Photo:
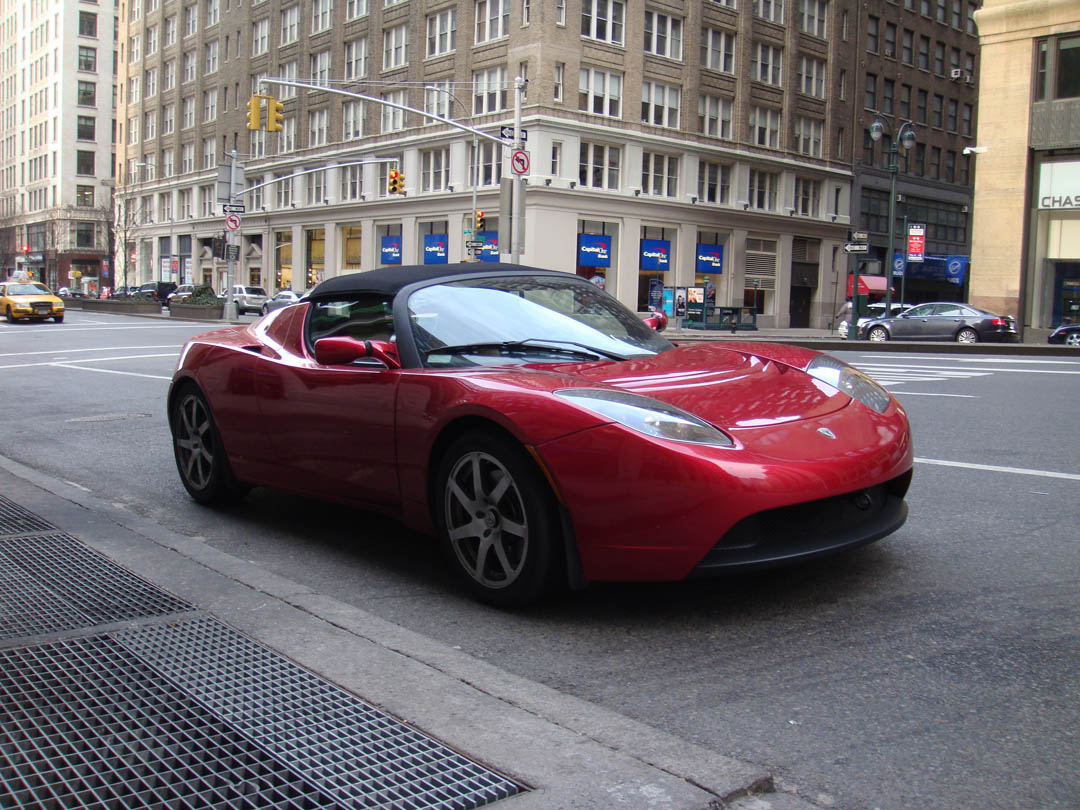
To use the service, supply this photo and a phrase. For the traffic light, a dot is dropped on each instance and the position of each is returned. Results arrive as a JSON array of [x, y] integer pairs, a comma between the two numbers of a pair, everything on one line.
[[254, 112], [395, 182], [481, 221], [275, 115]]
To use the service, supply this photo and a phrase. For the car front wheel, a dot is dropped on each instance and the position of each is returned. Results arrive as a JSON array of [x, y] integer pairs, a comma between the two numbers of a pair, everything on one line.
[[200, 455], [878, 334], [497, 519], [1073, 339], [967, 336]]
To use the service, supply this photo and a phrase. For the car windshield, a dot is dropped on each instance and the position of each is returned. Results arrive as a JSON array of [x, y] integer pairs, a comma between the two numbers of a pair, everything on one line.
[[521, 319], [28, 289]]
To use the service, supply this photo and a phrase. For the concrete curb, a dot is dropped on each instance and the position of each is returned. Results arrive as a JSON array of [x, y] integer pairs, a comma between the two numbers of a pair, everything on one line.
[[571, 753]]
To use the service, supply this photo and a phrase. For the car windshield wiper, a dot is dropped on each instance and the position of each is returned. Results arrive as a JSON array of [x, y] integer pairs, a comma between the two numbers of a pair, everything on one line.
[[544, 344]]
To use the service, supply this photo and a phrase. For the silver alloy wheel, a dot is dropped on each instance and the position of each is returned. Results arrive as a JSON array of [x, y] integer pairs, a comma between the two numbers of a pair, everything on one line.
[[967, 336], [1073, 339], [485, 520], [194, 441], [878, 334]]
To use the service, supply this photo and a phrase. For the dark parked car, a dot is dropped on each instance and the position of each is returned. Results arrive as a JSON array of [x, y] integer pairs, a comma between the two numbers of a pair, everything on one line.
[[158, 290], [1067, 333], [943, 320]]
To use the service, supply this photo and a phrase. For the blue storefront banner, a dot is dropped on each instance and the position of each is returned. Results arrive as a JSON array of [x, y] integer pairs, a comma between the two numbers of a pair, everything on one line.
[[490, 251], [950, 269], [594, 250], [899, 264], [710, 258], [655, 254], [434, 248], [391, 249]]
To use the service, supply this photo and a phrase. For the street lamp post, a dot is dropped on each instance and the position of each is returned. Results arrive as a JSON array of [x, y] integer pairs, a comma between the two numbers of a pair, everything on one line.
[[904, 136]]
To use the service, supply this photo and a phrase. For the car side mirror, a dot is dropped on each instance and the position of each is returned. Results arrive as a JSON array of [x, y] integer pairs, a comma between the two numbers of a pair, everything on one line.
[[340, 351]]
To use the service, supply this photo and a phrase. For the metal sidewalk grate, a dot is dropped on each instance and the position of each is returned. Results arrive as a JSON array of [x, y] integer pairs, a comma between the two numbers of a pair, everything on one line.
[[87, 725], [29, 609], [90, 585], [16, 520], [350, 750]]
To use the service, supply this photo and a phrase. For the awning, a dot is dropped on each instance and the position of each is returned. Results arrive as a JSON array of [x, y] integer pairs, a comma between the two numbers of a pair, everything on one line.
[[868, 285]]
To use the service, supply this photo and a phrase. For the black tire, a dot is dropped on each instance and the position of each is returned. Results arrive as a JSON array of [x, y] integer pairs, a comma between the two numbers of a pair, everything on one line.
[[498, 520], [264, 309], [199, 453], [878, 334], [10, 318], [967, 335], [58, 318]]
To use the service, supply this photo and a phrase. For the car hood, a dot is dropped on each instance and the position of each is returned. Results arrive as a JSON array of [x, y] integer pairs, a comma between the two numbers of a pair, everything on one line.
[[729, 387], [30, 299]]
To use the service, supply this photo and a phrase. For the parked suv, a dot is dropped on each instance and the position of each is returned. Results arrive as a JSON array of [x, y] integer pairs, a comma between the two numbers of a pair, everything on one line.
[[158, 290], [248, 299]]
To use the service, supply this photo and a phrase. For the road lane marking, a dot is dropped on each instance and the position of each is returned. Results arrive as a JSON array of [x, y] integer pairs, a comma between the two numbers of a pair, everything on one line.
[[99, 349], [923, 394], [995, 468], [92, 360], [955, 359], [110, 371]]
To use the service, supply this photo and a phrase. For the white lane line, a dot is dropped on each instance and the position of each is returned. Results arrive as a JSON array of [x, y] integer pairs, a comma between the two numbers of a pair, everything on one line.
[[109, 371], [955, 359], [921, 394], [960, 370], [995, 468], [201, 326], [92, 360], [99, 349]]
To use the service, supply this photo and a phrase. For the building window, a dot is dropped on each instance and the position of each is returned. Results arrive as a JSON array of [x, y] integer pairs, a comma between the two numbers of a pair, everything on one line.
[[490, 93], [87, 59], [187, 158], [213, 10], [352, 182], [84, 162], [168, 163], [659, 174], [185, 203], [210, 62], [438, 97], [260, 37], [356, 59], [714, 182], [395, 47], [663, 35], [951, 115], [290, 25], [890, 40], [599, 166], [660, 104], [86, 94], [556, 158], [907, 47], [603, 20], [392, 118], [318, 127], [84, 234], [209, 153], [812, 17], [600, 92], [319, 64], [492, 20], [920, 106], [808, 136], [939, 58], [870, 98], [191, 20], [150, 126], [872, 25], [352, 120], [765, 127], [284, 184], [771, 10], [937, 111], [714, 116], [209, 106], [86, 128], [289, 70], [924, 53], [965, 121], [322, 13], [558, 81], [87, 24], [888, 91], [766, 63], [84, 196], [718, 50], [1057, 68], [490, 169], [316, 187], [354, 9], [170, 30], [442, 32], [811, 77], [762, 190], [807, 197], [935, 163], [434, 169]]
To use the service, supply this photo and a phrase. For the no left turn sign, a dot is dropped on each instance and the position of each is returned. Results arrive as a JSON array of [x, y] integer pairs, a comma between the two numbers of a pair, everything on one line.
[[232, 222], [519, 162]]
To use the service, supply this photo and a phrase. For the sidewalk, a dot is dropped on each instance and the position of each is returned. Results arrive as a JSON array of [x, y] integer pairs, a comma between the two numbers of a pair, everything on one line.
[[193, 633]]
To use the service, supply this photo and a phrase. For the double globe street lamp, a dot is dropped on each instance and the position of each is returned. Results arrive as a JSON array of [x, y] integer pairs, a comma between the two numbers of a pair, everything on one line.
[[905, 137]]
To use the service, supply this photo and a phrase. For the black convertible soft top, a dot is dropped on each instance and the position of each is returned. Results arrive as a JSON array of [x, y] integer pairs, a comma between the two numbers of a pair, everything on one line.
[[389, 280]]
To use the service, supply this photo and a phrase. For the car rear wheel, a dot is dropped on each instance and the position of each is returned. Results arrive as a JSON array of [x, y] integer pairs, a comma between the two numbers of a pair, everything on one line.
[[878, 334], [10, 317], [1072, 339], [497, 519], [967, 336], [200, 456]]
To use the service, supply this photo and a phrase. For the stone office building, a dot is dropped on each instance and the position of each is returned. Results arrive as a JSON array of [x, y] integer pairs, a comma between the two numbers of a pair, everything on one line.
[[691, 143]]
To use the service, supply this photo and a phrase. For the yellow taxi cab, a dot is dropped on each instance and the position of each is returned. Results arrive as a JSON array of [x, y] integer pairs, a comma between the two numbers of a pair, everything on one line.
[[29, 299]]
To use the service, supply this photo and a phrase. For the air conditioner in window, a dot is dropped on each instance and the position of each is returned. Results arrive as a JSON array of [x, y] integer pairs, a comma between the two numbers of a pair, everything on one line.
[[890, 52], [956, 73], [969, 77]]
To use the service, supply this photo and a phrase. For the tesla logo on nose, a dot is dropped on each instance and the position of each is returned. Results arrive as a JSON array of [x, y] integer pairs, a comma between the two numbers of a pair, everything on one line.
[[826, 432]]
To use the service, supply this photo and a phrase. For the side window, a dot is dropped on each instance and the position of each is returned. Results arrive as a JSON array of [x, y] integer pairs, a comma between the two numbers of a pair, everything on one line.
[[948, 309], [921, 312], [364, 317]]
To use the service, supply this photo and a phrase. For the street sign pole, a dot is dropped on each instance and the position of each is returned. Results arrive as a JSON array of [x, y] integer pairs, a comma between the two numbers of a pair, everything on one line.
[[519, 181], [853, 318]]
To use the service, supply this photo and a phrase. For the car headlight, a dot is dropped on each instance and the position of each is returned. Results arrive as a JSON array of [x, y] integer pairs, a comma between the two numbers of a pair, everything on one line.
[[851, 381], [647, 415]]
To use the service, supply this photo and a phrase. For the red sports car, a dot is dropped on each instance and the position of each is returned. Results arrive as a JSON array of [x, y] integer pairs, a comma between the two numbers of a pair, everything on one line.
[[541, 430]]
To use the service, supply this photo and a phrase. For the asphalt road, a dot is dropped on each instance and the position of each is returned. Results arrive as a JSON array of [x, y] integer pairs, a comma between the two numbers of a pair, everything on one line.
[[939, 668]]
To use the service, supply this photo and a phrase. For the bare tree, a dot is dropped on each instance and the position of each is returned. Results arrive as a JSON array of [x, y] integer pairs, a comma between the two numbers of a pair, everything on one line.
[[126, 225]]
